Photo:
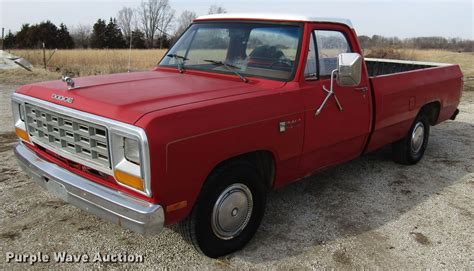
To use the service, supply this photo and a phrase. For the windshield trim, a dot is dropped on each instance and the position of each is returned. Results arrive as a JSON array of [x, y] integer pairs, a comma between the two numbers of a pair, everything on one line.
[[300, 25]]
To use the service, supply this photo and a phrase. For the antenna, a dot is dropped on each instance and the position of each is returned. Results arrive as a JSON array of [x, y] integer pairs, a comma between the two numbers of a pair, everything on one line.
[[130, 52]]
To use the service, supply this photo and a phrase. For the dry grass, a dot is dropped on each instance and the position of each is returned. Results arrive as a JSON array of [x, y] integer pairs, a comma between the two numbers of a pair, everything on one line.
[[23, 77], [93, 62], [465, 60]]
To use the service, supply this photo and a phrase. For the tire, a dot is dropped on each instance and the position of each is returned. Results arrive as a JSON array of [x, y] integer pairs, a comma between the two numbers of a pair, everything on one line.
[[228, 211], [410, 150]]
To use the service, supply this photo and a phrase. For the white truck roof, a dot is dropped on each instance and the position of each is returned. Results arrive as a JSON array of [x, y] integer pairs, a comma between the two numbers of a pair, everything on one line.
[[274, 17]]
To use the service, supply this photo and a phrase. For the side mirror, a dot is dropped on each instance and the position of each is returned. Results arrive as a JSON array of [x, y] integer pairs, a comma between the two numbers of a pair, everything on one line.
[[347, 74], [349, 69]]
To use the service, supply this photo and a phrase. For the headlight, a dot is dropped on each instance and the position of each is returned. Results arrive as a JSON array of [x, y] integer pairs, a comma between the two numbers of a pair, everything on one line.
[[132, 150], [21, 110], [19, 120], [130, 159]]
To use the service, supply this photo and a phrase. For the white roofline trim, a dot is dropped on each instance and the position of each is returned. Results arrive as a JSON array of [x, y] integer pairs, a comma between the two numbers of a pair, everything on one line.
[[274, 17]]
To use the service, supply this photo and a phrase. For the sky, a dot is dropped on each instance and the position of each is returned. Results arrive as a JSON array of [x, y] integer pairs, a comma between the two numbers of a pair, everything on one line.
[[403, 18]]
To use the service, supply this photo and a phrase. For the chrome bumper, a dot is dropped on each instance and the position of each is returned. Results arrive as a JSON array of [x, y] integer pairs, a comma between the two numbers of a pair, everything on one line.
[[114, 206]]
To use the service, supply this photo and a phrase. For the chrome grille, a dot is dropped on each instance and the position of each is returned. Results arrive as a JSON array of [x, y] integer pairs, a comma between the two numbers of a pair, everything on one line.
[[66, 135]]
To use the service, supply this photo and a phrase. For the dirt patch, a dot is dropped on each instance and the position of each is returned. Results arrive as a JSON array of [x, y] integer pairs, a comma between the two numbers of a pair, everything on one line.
[[7, 141], [405, 191], [420, 238], [52, 204], [6, 147], [12, 235], [87, 228], [342, 257], [397, 183], [8, 137], [449, 162]]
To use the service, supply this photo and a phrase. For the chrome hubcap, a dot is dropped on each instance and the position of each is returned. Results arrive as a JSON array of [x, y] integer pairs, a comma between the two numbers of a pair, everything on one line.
[[417, 137], [232, 211]]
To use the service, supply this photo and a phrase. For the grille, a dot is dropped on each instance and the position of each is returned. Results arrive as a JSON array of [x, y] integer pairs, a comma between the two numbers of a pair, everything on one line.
[[67, 135]]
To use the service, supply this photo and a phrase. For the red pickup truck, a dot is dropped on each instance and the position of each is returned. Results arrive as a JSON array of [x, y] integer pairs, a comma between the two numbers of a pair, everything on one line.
[[241, 104]]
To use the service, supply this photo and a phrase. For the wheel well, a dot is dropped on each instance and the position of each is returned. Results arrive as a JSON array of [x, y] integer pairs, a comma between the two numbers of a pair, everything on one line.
[[264, 162], [432, 111]]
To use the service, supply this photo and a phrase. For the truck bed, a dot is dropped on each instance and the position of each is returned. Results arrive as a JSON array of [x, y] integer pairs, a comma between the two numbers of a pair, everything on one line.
[[401, 88]]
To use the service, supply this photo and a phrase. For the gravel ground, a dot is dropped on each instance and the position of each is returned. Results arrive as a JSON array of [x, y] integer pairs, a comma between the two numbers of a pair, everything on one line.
[[364, 214]]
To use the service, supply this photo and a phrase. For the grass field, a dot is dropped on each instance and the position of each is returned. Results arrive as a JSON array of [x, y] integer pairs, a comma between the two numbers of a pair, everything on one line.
[[465, 60], [93, 62]]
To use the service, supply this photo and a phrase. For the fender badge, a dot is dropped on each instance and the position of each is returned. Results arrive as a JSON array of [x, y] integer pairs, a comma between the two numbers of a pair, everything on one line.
[[62, 98], [290, 124]]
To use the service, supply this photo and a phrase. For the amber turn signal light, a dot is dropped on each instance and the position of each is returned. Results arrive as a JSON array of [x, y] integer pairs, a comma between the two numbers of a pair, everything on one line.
[[22, 134], [129, 180]]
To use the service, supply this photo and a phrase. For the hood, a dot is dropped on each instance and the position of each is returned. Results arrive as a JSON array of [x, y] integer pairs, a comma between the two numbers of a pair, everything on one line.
[[128, 96]]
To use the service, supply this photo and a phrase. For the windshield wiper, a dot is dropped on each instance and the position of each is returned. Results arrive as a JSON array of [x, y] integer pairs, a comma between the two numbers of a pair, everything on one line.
[[229, 67], [181, 59]]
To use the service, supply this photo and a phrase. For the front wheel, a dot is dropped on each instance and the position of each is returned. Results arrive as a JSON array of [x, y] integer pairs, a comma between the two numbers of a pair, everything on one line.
[[228, 211], [411, 149]]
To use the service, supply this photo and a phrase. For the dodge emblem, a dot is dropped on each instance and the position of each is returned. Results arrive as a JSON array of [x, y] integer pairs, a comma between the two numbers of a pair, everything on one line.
[[62, 98]]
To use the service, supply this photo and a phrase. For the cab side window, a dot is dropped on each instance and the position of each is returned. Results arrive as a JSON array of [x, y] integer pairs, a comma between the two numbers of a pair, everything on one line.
[[330, 44]]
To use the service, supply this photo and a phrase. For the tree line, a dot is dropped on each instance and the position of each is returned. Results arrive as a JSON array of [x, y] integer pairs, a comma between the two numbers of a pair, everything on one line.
[[152, 24], [44, 34], [452, 44]]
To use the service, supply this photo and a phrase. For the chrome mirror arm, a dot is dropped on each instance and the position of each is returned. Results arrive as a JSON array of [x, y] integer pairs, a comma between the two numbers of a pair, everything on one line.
[[330, 93]]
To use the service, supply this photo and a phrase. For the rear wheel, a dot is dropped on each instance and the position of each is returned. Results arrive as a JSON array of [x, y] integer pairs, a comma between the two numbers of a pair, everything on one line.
[[410, 150], [228, 212]]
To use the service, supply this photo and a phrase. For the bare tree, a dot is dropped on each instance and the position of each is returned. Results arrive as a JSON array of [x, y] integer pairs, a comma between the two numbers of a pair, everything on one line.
[[165, 22], [81, 35], [154, 16], [126, 21], [216, 10], [184, 20]]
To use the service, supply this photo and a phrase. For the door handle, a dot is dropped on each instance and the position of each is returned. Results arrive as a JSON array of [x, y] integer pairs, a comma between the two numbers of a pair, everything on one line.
[[362, 89]]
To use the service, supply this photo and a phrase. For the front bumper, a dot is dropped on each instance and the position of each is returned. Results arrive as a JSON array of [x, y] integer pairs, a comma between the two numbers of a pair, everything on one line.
[[117, 207]]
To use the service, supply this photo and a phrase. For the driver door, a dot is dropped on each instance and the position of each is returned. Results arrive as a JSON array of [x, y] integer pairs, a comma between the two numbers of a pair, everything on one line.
[[336, 134]]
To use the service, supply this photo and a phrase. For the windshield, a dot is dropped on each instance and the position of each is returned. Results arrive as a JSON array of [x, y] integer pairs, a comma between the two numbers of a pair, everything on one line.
[[250, 49]]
